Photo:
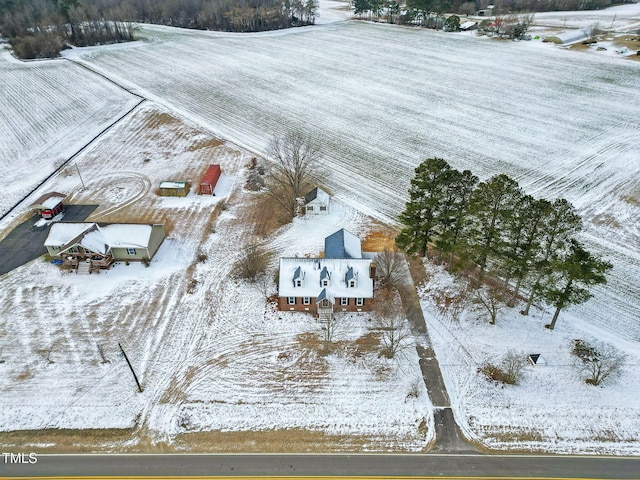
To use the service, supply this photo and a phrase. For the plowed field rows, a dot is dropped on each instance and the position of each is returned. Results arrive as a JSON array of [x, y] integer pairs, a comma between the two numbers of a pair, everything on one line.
[[48, 110], [382, 98]]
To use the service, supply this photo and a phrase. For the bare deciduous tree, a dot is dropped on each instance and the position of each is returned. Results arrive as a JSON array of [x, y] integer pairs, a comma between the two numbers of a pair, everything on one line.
[[513, 365], [599, 361], [389, 266], [510, 370], [295, 159], [391, 322], [329, 325], [253, 263], [265, 284], [491, 300], [592, 32]]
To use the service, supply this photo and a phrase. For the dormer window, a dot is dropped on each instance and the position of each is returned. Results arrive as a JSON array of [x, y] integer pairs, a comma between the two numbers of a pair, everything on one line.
[[298, 277], [325, 277], [351, 278]]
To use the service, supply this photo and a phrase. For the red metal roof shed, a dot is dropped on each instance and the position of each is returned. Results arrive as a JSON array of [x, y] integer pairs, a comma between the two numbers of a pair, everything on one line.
[[209, 180]]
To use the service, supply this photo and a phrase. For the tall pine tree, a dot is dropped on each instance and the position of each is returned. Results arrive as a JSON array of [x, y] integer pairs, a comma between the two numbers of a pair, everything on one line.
[[557, 229], [572, 273], [422, 212], [491, 207]]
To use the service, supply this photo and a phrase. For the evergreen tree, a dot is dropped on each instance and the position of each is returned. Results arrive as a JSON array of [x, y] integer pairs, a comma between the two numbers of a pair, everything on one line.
[[572, 273], [524, 236], [361, 7], [557, 228], [491, 207], [426, 199], [453, 218]]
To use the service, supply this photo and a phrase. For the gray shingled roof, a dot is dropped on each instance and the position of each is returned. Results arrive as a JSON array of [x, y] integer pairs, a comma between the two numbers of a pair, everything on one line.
[[342, 244]]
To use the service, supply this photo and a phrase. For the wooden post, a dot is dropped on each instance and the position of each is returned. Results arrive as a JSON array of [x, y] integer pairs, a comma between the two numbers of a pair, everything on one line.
[[129, 363]]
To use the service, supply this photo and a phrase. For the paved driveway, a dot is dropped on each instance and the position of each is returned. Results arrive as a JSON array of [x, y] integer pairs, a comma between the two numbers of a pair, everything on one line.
[[26, 242]]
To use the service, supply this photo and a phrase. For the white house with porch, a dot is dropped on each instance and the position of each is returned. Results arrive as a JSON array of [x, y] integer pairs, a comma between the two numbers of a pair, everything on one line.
[[89, 247]]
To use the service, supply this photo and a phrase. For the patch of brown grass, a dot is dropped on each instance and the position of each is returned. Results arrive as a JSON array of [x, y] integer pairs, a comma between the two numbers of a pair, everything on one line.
[[605, 219], [379, 238], [157, 119], [265, 214], [309, 341], [208, 143], [416, 268], [66, 440], [632, 42], [581, 47], [631, 199], [291, 440], [509, 435], [24, 375], [368, 343]]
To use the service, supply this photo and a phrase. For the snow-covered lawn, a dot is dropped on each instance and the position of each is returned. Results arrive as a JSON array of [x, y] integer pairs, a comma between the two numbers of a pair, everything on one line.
[[552, 409]]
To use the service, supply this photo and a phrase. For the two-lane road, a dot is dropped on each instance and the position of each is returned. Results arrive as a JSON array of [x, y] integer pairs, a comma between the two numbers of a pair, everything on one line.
[[276, 465]]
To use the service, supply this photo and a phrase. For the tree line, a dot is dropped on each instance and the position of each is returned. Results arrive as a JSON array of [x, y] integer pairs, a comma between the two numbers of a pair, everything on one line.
[[430, 13], [42, 28], [496, 228]]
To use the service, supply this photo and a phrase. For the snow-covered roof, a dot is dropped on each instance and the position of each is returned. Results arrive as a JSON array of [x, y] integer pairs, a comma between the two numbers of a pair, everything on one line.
[[468, 25], [172, 184], [310, 270], [62, 233], [569, 36], [49, 200], [342, 244], [317, 194], [98, 238]]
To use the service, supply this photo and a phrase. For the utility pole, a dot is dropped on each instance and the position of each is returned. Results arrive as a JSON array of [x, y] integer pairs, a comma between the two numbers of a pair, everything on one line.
[[611, 27], [81, 181], [129, 363]]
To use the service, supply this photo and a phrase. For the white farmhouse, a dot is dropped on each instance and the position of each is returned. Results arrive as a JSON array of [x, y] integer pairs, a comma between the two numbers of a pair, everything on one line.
[[316, 202]]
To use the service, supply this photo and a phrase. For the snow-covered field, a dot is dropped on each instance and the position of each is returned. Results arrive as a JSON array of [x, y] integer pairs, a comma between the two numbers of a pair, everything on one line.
[[622, 18], [45, 117], [380, 98]]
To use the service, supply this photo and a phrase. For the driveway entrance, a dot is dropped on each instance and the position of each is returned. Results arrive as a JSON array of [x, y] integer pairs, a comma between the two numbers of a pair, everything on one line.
[[26, 242]]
